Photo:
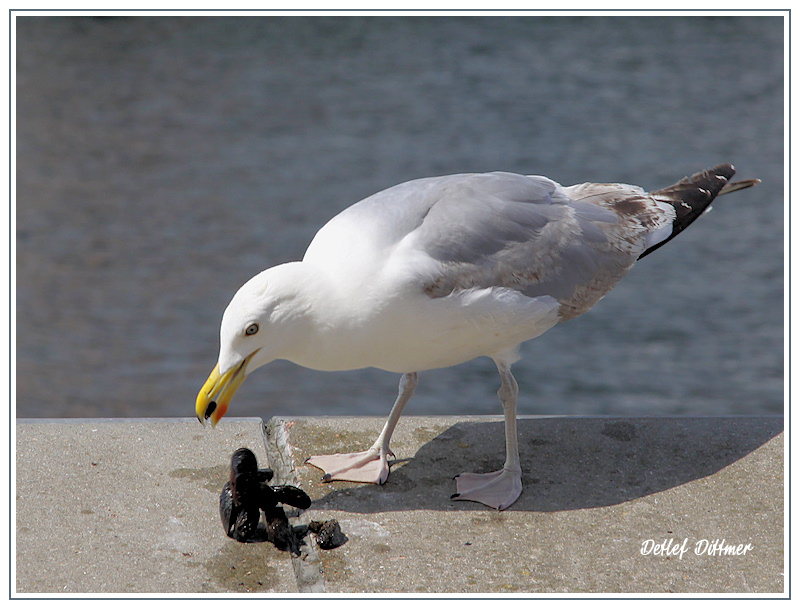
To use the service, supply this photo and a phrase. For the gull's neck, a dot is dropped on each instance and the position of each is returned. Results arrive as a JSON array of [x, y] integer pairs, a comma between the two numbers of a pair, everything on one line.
[[312, 316]]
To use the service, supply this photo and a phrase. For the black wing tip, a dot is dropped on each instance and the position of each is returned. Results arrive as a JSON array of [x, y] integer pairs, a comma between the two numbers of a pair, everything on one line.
[[691, 196], [725, 169], [700, 188]]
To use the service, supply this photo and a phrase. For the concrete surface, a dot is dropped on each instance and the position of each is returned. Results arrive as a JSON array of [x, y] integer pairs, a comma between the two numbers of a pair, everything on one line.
[[129, 506]]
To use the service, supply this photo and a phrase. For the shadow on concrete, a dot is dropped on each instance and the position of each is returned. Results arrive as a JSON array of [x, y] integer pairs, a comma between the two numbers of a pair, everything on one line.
[[568, 463]]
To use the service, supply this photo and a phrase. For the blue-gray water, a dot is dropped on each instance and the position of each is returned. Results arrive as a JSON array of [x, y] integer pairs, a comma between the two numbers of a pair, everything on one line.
[[161, 162]]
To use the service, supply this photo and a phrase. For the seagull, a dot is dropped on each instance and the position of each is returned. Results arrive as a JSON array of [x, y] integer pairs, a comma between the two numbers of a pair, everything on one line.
[[438, 271]]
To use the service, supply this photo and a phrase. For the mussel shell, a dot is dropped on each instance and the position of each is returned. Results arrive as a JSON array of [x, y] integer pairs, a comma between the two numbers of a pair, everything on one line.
[[226, 509], [279, 532], [246, 489], [240, 522], [329, 534], [247, 492], [266, 496], [243, 460], [291, 495]]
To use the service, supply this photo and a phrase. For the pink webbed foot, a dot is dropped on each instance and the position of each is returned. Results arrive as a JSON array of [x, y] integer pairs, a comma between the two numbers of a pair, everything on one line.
[[497, 489], [367, 466]]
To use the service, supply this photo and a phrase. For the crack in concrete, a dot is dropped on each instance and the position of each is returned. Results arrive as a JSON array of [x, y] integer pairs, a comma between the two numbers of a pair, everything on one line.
[[307, 566]]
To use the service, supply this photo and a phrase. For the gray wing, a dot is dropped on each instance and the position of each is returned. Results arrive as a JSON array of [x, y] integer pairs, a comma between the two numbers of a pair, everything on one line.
[[530, 234]]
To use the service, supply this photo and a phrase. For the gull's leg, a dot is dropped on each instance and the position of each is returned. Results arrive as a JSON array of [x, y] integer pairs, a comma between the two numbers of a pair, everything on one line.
[[501, 488], [370, 465]]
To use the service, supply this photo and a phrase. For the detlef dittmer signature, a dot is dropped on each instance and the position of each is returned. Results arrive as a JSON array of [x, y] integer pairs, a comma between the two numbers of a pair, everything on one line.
[[701, 547]]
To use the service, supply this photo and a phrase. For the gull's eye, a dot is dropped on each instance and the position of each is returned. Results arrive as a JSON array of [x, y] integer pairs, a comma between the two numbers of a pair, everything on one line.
[[251, 329]]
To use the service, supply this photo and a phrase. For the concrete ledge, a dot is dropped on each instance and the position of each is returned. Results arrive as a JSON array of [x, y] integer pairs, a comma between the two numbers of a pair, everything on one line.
[[129, 506]]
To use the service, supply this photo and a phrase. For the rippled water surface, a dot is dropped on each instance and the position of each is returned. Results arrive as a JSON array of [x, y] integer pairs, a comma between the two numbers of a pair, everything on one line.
[[161, 162]]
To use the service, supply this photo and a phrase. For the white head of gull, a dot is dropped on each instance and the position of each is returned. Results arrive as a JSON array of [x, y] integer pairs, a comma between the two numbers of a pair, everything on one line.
[[438, 271]]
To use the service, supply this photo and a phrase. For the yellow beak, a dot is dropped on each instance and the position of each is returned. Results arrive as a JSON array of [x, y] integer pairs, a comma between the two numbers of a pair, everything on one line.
[[215, 396]]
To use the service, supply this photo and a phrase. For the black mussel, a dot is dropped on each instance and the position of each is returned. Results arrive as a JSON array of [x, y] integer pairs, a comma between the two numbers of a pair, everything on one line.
[[267, 497], [239, 521], [291, 495], [280, 532], [248, 492], [244, 477], [329, 534], [238, 502], [226, 509]]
